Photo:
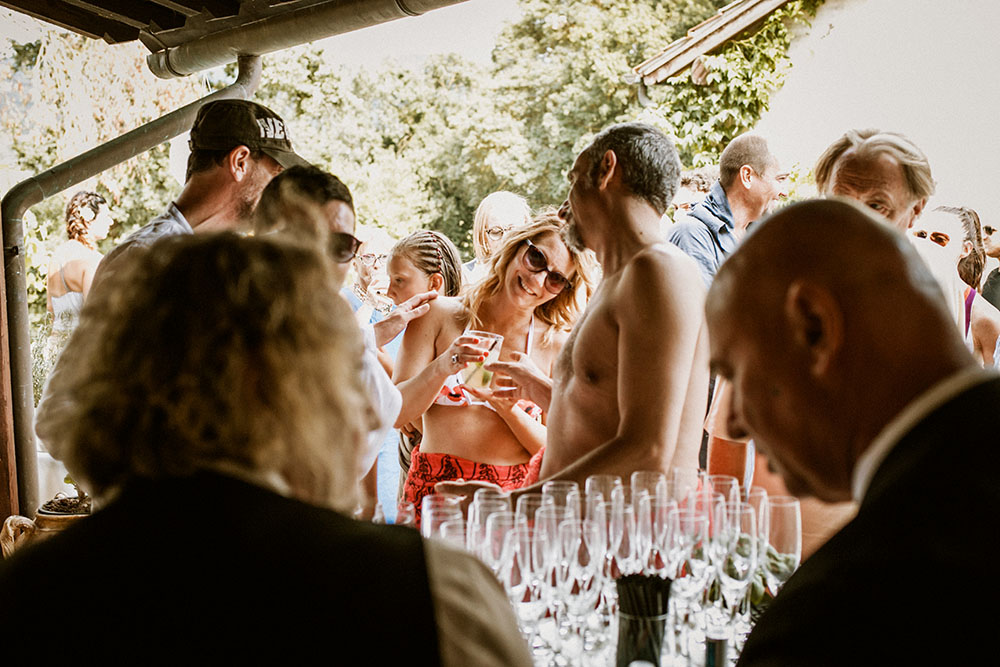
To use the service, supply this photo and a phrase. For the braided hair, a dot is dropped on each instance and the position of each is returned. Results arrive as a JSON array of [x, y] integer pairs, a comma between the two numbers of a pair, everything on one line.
[[432, 252], [77, 221]]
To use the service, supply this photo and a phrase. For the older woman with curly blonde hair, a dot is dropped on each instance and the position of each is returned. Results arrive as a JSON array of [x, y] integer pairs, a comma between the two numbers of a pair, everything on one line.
[[211, 400], [534, 289]]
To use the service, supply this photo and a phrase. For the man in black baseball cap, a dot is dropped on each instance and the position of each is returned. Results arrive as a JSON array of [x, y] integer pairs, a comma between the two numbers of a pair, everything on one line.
[[225, 124], [237, 147]]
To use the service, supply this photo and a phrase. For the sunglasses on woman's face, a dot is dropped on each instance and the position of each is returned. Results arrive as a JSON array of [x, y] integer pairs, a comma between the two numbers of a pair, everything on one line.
[[940, 238], [536, 262], [343, 247]]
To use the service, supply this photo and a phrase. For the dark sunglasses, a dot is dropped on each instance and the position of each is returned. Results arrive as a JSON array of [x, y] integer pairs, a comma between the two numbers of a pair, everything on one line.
[[989, 230], [343, 247], [940, 238], [536, 261]]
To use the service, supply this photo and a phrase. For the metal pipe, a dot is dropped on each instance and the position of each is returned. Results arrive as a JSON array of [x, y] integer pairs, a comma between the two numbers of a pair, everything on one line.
[[282, 31], [26, 194]]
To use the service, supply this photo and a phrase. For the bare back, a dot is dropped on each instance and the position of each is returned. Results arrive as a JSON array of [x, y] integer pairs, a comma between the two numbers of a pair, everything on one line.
[[630, 388]]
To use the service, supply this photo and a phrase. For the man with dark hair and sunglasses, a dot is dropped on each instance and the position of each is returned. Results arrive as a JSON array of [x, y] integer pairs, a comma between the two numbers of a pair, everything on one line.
[[314, 205]]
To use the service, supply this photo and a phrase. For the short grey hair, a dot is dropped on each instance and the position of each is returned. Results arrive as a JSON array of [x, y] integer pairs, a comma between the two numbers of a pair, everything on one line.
[[871, 143], [647, 159]]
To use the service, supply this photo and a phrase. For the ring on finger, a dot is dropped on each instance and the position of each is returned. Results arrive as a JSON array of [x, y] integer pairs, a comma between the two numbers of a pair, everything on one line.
[[454, 358]]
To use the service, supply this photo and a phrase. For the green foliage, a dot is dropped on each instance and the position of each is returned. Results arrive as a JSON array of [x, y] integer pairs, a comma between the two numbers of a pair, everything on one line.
[[742, 75], [418, 146], [64, 95], [561, 69]]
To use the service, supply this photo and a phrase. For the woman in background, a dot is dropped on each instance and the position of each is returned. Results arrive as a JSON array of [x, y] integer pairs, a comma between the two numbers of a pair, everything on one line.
[[70, 273], [72, 265], [497, 214], [957, 230]]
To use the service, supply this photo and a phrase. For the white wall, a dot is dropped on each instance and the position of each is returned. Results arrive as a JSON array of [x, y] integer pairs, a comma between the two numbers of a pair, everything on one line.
[[926, 68]]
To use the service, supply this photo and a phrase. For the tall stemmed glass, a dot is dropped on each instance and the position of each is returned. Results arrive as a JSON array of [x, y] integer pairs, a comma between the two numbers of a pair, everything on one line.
[[437, 508], [547, 521], [528, 505], [654, 534], [691, 565], [579, 576], [784, 537], [564, 494], [498, 526], [622, 548], [599, 489], [738, 562], [527, 553], [479, 511], [727, 485]]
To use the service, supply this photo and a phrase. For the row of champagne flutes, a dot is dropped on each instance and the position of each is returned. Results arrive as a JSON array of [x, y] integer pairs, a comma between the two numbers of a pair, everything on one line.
[[559, 552]]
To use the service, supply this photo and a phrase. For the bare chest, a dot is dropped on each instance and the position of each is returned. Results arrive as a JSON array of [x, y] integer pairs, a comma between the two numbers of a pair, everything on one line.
[[590, 355]]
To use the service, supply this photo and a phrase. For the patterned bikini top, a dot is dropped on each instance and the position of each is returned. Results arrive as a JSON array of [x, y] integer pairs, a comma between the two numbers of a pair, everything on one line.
[[451, 394]]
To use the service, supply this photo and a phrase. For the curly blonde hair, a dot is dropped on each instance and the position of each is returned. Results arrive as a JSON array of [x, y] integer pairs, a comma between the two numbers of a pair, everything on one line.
[[214, 352], [560, 313]]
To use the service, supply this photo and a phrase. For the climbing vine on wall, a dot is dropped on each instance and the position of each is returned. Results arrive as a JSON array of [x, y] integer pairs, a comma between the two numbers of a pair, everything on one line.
[[742, 76]]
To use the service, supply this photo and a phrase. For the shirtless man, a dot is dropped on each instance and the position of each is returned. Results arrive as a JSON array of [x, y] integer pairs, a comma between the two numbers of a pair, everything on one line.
[[630, 387]]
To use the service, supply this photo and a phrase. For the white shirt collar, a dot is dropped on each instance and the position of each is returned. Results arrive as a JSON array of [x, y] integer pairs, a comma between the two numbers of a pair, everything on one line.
[[872, 458]]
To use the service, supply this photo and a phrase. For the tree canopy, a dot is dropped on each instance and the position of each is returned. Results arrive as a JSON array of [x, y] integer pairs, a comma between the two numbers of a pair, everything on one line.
[[419, 146]]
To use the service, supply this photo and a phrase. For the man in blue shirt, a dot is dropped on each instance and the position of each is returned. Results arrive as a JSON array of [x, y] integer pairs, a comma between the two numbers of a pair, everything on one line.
[[750, 181]]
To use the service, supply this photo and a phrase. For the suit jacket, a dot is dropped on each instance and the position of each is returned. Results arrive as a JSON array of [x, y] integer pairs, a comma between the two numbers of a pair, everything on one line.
[[213, 570], [910, 579]]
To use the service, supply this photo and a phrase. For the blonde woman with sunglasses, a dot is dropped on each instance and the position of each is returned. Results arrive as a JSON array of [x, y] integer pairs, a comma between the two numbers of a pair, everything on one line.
[[533, 292]]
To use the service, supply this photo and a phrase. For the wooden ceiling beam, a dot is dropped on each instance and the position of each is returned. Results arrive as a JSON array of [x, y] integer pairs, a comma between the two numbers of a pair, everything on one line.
[[74, 19], [140, 15]]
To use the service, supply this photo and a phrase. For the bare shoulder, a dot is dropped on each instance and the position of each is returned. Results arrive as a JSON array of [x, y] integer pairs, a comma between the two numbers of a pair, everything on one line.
[[662, 266], [445, 311]]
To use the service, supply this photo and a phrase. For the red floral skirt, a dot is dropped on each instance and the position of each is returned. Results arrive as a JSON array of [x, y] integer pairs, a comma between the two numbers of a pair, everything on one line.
[[426, 470]]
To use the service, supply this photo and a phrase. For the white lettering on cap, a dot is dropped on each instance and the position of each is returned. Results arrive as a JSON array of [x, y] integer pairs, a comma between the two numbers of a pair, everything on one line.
[[272, 128]]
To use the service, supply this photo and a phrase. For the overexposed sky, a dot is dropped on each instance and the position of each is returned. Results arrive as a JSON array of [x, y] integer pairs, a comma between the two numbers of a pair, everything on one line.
[[468, 28]]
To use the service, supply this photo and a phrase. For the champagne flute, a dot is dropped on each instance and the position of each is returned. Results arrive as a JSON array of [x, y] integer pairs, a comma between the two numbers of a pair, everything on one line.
[[651, 483], [690, 563], [579, 573], [563, 493], [528, 505], [784, 541], [498, 526], [452, 531], [547, 521], [727, 485], [479, 512], [526, 557], [599, 489], [738, 562], [433, 518]]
